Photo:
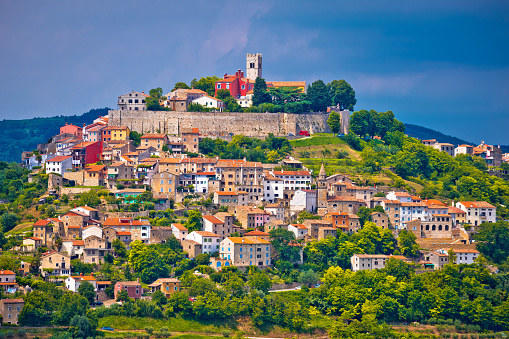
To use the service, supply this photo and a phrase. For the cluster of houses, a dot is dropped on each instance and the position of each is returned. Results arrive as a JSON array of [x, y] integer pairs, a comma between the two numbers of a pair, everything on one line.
[[491, 153], [239, 85]]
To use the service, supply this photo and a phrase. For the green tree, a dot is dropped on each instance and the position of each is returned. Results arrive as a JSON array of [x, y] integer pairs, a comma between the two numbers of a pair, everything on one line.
[[8, 221], [180, 85], [123, 296], [334, 122], [492, 241], [342, 94], [259, 281], [135, 137], [318, 95], [119, 248], [147, 262], [407, 244], [159, 298], [309, 277], [194, 221], [82, 327], [86, 290], [153, 101], [260, 93], [206, 84], [282, 241], [222, 94]]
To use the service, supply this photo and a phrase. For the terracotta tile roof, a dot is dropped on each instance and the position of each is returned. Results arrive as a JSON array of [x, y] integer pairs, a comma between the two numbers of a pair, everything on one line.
[[395, 202], [84, 144], [78, 243], [452, 209], [129, 283], [225, 193], [237, 163], [83, 277], [88, 208], [59, 158], [206, 234], [103, 282], [123, 233], [179, 226], [256, 233], [299, 226], [190, 131], [73, 226], [248, 240], [94, 168], [35, 238], [124, 222], [170, 160], [286, 84], [153, 136], [42, 222], [205, 173], [117, 128], [476, 204], [304, 173], [6, 272], [435, 203], [212, 219]]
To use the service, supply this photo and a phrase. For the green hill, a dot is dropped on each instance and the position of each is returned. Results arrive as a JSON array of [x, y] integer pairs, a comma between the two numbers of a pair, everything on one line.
[[24, 135]]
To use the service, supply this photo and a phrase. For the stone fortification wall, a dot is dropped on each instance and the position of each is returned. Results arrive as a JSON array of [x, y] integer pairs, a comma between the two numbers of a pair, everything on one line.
[[221, 123]]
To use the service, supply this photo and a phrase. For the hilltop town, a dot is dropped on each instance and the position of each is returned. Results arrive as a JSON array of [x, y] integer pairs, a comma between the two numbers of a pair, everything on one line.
[[204, 202]]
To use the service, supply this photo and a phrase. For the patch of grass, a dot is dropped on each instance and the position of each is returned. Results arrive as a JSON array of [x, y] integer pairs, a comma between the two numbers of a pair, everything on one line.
[[317, 139], [173, 324], [24, 227]]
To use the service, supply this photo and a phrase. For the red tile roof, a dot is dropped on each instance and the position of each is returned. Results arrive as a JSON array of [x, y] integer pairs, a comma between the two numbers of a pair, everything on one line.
[[123, 222], [59, 158], [256, 233], [212, 219], [292, 173], [6, 272], [476, 204]]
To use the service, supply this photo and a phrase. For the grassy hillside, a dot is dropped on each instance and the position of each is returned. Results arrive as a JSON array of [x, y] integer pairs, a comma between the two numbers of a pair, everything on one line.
[[338, 157], [24, 135]]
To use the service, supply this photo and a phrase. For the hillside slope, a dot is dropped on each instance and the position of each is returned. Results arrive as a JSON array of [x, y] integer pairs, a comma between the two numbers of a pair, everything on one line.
[[24, 135], [428, 133]]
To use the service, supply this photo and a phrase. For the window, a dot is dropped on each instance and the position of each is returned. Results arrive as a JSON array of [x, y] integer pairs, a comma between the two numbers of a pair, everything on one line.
[[218, 86]]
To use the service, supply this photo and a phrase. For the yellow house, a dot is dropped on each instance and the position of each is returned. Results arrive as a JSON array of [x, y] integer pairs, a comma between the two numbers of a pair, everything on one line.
[[115, 133]]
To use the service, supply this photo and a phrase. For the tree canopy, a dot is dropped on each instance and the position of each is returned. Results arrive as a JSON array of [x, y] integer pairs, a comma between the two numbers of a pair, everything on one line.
[[342, 94]]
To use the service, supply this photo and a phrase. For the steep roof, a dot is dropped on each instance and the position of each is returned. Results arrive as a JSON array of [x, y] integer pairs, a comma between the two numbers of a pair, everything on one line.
[[212, 219], [179, 226]]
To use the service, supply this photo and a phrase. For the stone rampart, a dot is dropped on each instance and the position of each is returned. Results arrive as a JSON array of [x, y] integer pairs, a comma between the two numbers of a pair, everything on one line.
[[220, 123]]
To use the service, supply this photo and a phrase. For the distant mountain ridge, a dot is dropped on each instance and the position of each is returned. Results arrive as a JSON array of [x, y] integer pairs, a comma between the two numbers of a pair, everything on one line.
[[24, 135], [428, 133]]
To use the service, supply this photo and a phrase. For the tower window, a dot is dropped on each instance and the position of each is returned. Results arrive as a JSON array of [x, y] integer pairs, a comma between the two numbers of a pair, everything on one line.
[[252, 65]]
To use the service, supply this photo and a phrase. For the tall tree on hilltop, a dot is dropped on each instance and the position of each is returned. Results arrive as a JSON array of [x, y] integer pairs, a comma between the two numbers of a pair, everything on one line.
[[206, 84], [342, 94], [180, 84], [318, 94], [334, 122], [260, 94], [153, 100]]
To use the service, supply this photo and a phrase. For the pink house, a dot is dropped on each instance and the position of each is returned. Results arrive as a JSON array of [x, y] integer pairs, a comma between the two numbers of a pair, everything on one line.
[[72, 129], [133, 288]]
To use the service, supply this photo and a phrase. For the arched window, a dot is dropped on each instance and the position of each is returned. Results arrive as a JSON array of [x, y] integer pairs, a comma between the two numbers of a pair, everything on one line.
[[427, 227], [433, 228], [446, 227], [439, 227]]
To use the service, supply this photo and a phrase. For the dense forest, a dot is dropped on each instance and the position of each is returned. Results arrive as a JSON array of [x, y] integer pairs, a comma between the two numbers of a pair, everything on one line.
[[24, 135]]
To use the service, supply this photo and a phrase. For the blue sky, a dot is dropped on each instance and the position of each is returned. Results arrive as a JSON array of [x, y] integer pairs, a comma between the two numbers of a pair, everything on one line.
[[440, 64]]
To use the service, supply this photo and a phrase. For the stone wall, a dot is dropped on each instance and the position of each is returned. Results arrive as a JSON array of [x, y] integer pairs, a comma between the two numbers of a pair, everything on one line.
[[220, 123]]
